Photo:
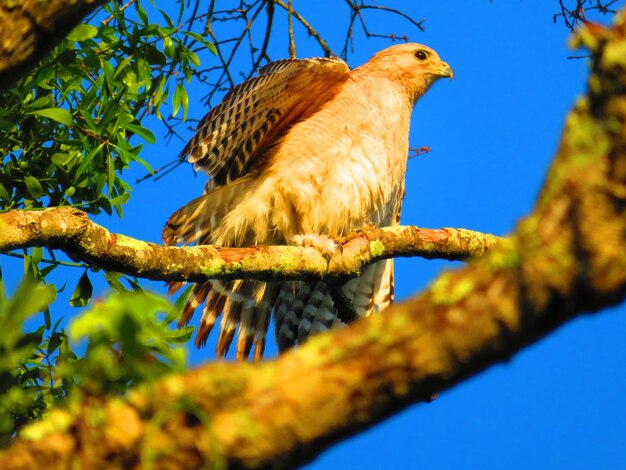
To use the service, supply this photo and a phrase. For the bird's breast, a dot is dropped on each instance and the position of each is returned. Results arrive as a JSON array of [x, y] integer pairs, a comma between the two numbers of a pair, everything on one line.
[[344, 167]]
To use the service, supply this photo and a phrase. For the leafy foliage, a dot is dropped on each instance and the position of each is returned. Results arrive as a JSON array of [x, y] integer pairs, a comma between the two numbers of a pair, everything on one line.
[[73, 126], [25, 390], [70, 130], [127, 339]]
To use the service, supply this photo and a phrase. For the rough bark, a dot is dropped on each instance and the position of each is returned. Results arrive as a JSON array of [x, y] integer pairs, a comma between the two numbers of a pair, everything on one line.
[[71, 230], [31, 28], [565, 259]]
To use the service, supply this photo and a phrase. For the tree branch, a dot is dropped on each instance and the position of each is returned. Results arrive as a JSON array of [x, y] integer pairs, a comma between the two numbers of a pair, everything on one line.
[[565, 259], [71, 231], [31, 28]]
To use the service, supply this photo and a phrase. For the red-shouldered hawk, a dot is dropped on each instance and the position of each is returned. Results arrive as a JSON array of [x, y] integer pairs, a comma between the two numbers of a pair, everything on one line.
[[305, 152]]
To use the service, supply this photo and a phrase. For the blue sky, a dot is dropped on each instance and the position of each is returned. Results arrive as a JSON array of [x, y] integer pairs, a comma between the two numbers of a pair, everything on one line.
[[493, 131]]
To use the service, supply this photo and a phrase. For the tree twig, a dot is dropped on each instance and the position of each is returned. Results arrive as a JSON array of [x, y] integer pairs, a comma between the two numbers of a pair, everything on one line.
[[312, 31]]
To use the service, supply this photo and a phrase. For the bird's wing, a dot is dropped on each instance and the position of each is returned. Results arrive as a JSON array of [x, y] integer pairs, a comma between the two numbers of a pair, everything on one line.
[[195, 221], [234, 135]]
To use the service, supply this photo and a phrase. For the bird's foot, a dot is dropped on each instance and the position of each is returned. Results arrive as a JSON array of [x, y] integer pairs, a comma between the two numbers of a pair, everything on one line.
[[322, 243]]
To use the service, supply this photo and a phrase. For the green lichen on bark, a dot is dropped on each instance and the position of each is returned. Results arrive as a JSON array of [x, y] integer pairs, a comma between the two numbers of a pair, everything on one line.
[[377, 248]]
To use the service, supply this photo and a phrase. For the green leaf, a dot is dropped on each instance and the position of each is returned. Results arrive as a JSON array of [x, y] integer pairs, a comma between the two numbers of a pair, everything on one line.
[[134, 284], [82, 32], [205, 42], [41, 102], [143, 163], [55, 341], [176, 100], [108, 74], [195, 60], [29, 298], [113, 279], [33, 187], [87, 163], [6, 126], [142, 14], [121, 68], [62, 160], [104, 204], [133, 320], [45, 271], [168, 47], [83, 292], [167, 19], [179, 99], [119, 200], [56, 114], [123, 119], [184, 99], [4, 194], [146, 134], [181, 335], [110, 173], [37, 254]]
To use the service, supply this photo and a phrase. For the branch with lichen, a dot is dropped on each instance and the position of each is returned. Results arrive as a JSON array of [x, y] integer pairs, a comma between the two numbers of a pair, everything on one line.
[[71, 231], [565, 259], [31, 28]]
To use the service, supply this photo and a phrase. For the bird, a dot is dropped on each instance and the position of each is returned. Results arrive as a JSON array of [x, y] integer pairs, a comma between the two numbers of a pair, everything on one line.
[[305, 152]]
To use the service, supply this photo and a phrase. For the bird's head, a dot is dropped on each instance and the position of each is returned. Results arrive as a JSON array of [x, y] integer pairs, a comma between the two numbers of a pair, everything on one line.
[[415, 66]]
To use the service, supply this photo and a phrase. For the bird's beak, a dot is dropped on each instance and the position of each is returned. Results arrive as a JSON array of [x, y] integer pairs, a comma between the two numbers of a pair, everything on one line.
[[445, 71]]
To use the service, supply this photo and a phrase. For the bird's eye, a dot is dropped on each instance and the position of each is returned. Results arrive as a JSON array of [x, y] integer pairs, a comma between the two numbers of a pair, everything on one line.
[[421, 54]]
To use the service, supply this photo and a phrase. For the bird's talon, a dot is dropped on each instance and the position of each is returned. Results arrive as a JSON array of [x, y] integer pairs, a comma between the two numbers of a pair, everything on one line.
[[322, 243]]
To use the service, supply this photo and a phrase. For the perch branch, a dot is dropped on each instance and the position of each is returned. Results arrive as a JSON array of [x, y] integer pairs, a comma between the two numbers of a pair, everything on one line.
[[71, 231]]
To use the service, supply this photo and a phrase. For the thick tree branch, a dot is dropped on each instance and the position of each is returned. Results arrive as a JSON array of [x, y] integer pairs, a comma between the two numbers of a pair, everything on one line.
[[566, 259], [31, 28], [71, 230]]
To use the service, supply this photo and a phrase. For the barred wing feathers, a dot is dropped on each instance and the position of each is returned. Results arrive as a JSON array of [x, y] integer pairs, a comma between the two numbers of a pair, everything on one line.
[[234, 135]]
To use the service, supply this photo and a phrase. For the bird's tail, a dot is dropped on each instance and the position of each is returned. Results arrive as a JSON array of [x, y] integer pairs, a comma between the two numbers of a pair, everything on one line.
[[244, 306], [303, 308]]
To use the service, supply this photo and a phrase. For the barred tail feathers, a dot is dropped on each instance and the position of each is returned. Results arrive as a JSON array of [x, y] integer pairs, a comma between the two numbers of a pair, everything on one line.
[[384, 291], [373, 291], [245, 310], [303, 309]]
